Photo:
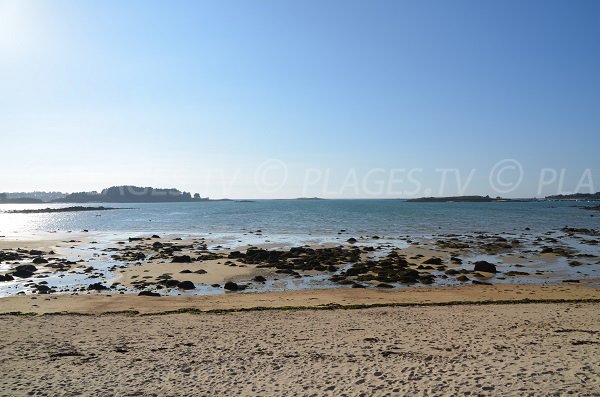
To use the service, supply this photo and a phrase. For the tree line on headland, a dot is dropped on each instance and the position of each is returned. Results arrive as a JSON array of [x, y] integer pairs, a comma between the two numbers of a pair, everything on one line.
[[136, 194], [114, 194]]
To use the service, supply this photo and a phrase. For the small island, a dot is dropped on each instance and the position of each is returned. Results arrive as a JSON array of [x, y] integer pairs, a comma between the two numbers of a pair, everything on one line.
[[458, 199], [575, 197]]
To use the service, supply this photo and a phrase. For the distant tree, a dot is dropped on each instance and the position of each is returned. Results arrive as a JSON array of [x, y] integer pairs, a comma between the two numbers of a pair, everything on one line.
[[3, 196], [196, 196]]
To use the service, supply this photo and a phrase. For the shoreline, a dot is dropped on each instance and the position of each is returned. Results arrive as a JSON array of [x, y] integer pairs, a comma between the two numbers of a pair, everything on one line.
[[189, 265], [324, 299]]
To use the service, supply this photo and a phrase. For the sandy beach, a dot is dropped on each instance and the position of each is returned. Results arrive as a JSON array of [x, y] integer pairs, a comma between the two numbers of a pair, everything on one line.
[[413, 339], [500, 350]]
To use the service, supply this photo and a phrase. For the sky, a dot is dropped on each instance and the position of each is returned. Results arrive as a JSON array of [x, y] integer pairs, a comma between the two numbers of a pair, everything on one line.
[[283, 99]]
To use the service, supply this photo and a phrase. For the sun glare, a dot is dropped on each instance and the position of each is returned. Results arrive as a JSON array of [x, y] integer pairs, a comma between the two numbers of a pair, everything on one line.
[[15, 27]]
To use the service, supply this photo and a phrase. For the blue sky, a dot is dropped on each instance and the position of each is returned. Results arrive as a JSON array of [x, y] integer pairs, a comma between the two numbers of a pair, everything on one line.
[[256, 99]]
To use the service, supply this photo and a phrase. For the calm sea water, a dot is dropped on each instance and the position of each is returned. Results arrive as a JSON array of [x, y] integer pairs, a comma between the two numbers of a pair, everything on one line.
[[301, 218]]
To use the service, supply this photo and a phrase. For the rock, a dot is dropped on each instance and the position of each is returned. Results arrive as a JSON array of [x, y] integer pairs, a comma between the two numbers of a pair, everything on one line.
[[42, 289], [200, 271], [185, 271], [96, 287], [515, 273], [181, 259], [427, 279], [36, 253], [352, 240], [171, 283], [357, 285], [384, 285], [155, 236], [433, 261], [157, 245], [235, 255], [231, 286], [6, 277], [186, 285], [486, 267], [259, 279], [24, 271], [148, 293], [462, 278], [480, 282]]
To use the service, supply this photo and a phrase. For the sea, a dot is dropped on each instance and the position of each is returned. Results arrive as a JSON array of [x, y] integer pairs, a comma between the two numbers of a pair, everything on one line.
[[303, 218]]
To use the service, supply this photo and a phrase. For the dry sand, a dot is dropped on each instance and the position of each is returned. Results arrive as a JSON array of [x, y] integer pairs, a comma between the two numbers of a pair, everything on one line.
[[524, 349]]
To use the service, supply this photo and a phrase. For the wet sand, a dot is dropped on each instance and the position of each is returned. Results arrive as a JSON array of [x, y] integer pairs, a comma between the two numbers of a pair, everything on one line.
[[99, 303]]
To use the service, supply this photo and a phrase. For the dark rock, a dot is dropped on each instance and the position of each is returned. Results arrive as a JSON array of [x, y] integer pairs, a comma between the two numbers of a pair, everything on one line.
[[462, 278], [235, 255], [157, 245], [384, 285], [486, 267], [42, 289], [171, 283], [433, 261], [259, 279], [186, 285], [185, 271], [200, 271], [231, 286], [24, 271], [480, 282], [428, 279], [182, 259], [96, 287], [352, 240], [148, 293], [36, 253], [6, 277], [155, 236], [516, 273]]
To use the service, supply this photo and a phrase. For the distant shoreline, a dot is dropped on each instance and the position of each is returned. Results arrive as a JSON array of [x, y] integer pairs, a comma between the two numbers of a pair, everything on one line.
[[64, 209]]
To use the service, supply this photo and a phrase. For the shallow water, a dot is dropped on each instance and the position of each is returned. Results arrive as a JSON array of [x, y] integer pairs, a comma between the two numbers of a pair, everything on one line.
[[307, 218]]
